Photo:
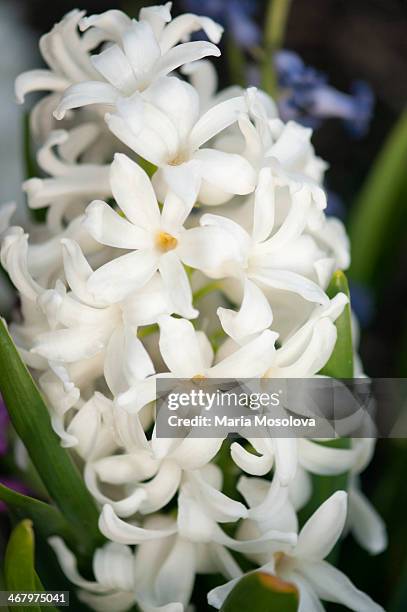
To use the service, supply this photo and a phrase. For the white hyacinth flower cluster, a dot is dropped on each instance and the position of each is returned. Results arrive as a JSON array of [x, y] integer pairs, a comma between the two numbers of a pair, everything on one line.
[[185, 236]]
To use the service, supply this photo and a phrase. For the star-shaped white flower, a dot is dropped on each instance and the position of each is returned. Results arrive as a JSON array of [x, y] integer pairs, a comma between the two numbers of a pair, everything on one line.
[[164, 125], [303, 564], [157, 240]]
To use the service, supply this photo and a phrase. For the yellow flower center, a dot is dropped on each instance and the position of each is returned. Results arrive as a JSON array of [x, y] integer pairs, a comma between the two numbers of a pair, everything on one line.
[[165, 242], [180, 158]]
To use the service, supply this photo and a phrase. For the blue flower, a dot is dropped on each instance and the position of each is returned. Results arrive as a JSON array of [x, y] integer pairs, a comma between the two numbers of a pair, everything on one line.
[[309, 98], [237, 16], [335, 206], [362, 302]]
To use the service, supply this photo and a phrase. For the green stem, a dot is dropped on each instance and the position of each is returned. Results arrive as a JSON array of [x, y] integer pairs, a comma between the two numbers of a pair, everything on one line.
[[274, 33], [236, 63], [205, 290], [371, 223]]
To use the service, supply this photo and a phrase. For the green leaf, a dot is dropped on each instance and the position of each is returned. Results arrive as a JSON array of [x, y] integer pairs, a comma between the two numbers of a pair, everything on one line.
[[276, 19], [47, 519], [370, 224], [19, 562], [340, 364], [20, 574], [259, 591], [30, 418]]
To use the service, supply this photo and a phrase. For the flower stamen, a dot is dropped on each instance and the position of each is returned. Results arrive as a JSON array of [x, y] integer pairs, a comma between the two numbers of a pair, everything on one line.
[[166, 242]]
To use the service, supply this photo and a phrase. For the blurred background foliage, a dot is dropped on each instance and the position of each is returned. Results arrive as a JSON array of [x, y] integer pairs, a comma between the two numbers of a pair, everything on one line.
[[346, 41]]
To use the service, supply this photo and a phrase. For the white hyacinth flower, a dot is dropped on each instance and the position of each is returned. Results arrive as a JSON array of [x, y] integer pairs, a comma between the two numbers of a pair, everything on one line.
[[144, 50], [282, 258], [164, 125], [158, 239], [132, 280], [72, 184], [303, 564]]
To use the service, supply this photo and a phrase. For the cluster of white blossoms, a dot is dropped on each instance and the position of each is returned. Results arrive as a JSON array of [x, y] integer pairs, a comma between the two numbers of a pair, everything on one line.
[[185, 236]]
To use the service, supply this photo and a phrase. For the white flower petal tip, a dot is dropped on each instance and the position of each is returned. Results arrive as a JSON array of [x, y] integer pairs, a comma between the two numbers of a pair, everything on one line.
[[124, 533]]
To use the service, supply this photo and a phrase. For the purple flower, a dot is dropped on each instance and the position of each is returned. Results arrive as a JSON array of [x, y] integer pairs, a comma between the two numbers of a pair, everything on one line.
[[237, 16], [310, 100], [15, 485], [4, 421]]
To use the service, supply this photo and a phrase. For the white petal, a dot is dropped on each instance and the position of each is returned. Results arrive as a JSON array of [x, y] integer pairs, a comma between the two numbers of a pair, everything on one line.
[[293, 225], [109, 228], [141, 47], [84, 94], [292, 146], [286, 457], [184, 180], [89, 428], [188, 362], [208, 248], [67, 561], [157, 16], [125, 507], [216, 120], [255, 314], [122, 469], [249, 462], [367, 525], [184, 54], [15, 259], [291, 281], [295, 346], [38, 80], [220, 507], [179, 102], [113, 566], [264, 204], [77, 270], [332, 585], [162, 488], [316, 354], [321, 532], [218, 595], [309, 600], [116, 602], [114, 66], [124, 533], [113, 22], [320, 459], [184, 25], [177, 284], [147, 144], [134, 193], [226, 171], [176, 576], [143, 307], [115, 280], [70, 345], [263, 544], [194, 453], [138, 396], [250, 361], [175, 212]]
